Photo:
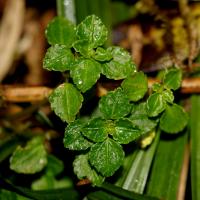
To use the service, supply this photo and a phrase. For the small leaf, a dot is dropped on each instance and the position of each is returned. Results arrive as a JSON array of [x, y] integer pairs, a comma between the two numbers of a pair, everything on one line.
[[168, 96], [58, 58], [30, 159], [106, 157], [172, 79], [125, 132], [174, 119], [140, 118], [121, 66], [85, 73], [93, 30], [157, 87], [73, 138], [155, 104], [96, 130], [102, 54], [83, 169], [115, 104], [135, 86], [84, 48], [66, 101], [60, 31]]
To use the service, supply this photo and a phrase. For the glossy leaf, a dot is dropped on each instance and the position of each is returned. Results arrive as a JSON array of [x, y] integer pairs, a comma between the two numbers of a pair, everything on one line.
[[115, 104], [58, 58], [84, 48], [125, 132], [60, 31], [140, 118], [155, 104], [106, 157], [102, 54], [73, 138], [135, 86], [29, 159], [174, 119], [85, 73], [157, 87], [121, 66], [66, 101], [168, 96], [93, 30], [83, 170], [172, 78], [96, 130]]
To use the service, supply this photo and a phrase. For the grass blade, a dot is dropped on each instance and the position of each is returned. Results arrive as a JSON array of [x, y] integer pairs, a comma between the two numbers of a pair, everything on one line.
[[195, 146], [165, 175]]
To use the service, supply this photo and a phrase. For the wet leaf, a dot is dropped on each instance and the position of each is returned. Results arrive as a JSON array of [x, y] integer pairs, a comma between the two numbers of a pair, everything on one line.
[[58, 58], [106, 157], [135, 86], [66, 101], [60, 31], [115, 104], [102, 54], [121, 66]]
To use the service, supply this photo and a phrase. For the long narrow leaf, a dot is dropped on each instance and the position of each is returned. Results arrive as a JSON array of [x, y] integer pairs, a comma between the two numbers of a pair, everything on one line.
[[195, 147], [165, 175], [138, 173], [58, 194]]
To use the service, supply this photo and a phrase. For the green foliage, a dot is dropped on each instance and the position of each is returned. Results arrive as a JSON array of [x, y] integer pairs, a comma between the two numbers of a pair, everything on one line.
[[115, 104], [29, 159], [58, 58], [83, 170], [106, 157], [121, 66], [60, 31], [66, 101], [135, 86], [125, 114]]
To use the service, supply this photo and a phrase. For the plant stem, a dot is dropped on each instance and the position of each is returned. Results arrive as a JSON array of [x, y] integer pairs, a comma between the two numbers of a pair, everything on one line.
[[66, 8]]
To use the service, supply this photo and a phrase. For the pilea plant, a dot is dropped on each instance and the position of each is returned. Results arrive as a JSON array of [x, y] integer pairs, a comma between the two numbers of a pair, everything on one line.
[[126, 114]]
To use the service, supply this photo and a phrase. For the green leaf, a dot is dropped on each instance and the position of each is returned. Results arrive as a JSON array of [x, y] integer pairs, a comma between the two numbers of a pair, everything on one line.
[[106, 157], [66, 101], [83, 169], [44, 194], [85, 73], [73, 138], [58, 58], [168, 96], [102, 54], [29, 159], [125, 132], [155, 104], [140, 118], [84, 48], [96, 130], [121, 66], [115, 104], [164, 179], [60, 31], [157, 87], [54, 165], [172, 79], [93, 30], [174, 119], [135, 86], [195, 146]]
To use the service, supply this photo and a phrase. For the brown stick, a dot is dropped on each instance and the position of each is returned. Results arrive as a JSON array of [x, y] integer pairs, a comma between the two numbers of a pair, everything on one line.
[[38, 93]]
